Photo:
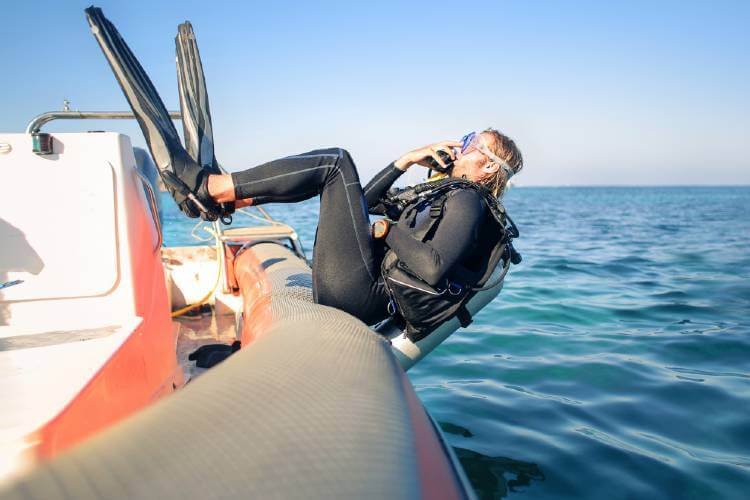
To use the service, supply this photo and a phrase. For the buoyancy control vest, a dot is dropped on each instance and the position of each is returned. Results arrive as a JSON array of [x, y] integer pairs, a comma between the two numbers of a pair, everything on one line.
[[420, 306]]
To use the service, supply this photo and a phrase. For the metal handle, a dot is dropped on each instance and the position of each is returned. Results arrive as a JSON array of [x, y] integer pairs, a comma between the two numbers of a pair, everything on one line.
[[38, 122]]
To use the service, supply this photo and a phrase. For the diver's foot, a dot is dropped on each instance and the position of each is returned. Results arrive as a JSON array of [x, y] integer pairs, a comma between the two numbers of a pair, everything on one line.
[[214, 208], [199, 203], [187, 182], [221, 188]]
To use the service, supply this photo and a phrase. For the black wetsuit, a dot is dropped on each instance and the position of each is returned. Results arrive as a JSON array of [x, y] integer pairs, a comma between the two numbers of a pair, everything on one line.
[[346, 265]]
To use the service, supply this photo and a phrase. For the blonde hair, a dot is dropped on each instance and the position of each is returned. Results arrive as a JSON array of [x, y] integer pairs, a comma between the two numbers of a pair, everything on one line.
[[504, 147]]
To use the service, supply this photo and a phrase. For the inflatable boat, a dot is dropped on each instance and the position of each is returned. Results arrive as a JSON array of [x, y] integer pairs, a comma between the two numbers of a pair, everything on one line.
[[98, 320], [94, 369]]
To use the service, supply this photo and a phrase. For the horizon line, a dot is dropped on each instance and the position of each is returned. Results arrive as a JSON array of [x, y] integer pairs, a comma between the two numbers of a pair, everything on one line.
[[629, 186]]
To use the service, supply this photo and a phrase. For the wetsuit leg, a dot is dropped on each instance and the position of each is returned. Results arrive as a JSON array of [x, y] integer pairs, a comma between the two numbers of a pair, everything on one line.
[[346, 273]]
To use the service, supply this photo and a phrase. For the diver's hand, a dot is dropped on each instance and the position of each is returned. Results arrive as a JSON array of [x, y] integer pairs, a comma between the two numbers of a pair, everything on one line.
[[420, 156]]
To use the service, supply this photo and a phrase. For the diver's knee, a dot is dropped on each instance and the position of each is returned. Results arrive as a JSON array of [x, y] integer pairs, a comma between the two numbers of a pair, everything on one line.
[[345, 161], [343, 164], [343, 154]]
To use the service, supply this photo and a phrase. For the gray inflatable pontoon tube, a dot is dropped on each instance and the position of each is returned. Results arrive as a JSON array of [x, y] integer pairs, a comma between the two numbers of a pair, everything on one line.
[[315, 406]]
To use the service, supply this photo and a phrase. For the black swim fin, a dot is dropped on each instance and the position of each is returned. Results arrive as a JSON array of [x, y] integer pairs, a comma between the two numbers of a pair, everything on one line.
[[210, 355], [184, 178], [194, 106]]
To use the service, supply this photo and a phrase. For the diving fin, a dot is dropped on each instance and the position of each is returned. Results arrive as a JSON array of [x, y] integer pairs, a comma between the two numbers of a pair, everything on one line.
[[196, 113], [185, 179]]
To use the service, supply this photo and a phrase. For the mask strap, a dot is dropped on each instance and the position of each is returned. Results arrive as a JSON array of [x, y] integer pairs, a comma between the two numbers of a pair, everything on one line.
[[508, 171]]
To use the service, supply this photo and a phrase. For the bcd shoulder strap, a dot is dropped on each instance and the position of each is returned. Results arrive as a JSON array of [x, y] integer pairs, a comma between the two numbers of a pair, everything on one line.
[[436, 213]]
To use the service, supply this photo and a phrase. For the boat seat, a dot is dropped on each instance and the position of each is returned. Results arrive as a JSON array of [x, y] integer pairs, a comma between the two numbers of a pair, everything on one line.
[[276, 231]]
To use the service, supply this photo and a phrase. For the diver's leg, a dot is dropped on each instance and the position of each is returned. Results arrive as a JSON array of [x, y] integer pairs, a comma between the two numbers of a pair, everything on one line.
[[286, 180], [345, 270]]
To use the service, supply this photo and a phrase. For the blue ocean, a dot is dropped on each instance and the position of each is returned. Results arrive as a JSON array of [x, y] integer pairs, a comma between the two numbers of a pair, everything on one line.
[[616, 361]]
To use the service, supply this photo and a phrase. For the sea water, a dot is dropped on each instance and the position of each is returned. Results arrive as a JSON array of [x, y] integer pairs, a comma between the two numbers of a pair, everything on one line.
[[616, 361]]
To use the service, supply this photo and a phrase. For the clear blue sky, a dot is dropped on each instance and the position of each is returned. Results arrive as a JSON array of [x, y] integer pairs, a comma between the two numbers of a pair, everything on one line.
[[593, 92]]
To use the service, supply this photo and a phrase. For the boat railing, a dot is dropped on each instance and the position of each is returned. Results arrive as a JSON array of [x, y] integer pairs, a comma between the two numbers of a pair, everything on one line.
[[36, 124]]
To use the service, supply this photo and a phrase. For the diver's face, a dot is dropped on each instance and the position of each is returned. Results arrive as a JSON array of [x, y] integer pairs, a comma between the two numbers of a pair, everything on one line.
[[474, 165]]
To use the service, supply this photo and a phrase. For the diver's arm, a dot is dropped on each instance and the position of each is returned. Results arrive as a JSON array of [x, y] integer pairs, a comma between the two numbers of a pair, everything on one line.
[[423, 156], [455, 234], [376, 188]]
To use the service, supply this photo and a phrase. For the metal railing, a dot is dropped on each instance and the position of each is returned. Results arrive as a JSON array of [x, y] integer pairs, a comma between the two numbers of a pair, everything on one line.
[[38, 122]]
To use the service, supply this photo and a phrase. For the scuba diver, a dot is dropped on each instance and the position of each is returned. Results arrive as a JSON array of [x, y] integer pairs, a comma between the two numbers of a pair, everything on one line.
[[437, 244], [348, 251]]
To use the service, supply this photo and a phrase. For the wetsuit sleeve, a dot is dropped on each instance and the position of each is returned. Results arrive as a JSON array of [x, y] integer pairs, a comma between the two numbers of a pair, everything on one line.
[[376, 188], [456, 233]]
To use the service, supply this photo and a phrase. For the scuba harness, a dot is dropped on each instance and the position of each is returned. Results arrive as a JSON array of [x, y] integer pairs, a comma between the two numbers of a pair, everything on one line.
[[421, 306]]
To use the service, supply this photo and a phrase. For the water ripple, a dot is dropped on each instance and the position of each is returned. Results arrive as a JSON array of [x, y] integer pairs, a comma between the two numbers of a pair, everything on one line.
[[608, 440], [702, 455], [543, 396], [707, 373]]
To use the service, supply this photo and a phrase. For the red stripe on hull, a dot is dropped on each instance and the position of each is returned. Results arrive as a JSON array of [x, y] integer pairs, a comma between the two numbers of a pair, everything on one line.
[[145, 367], [256, 295], [436, 475]]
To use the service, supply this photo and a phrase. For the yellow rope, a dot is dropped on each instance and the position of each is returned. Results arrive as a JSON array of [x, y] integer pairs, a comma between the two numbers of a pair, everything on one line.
[[205, 299]]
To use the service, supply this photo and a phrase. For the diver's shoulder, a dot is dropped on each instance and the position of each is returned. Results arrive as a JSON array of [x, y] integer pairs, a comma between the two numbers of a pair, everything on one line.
[[465, 195], [466, 199]]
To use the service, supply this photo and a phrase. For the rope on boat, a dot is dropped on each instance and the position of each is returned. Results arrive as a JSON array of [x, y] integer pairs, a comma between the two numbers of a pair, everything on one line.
[[266, 219], [180, 312], [216, 234]]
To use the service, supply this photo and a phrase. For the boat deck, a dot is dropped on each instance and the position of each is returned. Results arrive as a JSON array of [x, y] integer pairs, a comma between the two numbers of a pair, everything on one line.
[[199, 329], [191, 273]]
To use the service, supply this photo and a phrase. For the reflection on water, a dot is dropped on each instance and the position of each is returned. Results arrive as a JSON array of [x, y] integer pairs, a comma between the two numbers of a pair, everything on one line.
[[455, 429], [494, 477]]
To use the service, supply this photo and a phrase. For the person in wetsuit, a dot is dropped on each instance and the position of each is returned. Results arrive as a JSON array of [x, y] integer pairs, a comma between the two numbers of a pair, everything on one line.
[[346, 266], [347, 257]]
